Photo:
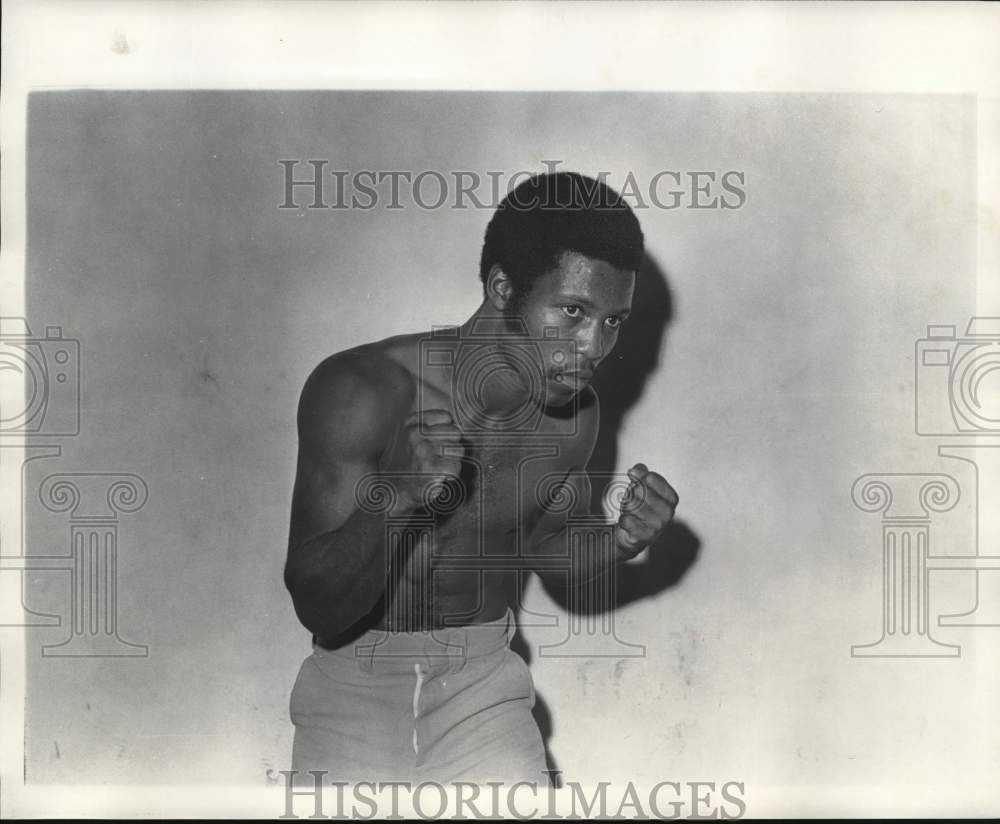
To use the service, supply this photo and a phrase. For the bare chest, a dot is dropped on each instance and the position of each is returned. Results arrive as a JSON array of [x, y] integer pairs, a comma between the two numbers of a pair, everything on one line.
[[507, 479], [504, 488]]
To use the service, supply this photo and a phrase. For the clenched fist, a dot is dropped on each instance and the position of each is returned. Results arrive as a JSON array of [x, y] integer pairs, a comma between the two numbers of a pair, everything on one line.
[[646, 509], [427, 450]]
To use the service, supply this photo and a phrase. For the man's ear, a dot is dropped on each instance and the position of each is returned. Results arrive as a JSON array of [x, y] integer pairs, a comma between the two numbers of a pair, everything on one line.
[[499, 289]]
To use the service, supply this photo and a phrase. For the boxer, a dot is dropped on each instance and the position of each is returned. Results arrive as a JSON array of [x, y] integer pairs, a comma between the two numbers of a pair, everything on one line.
[[477, 433]]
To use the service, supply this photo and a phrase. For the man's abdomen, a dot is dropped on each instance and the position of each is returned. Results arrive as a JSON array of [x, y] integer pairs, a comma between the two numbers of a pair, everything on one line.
[[425, 596]]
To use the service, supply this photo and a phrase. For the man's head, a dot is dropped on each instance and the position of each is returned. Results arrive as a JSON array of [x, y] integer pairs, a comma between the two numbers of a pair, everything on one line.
[[561, 252], [555, 213]]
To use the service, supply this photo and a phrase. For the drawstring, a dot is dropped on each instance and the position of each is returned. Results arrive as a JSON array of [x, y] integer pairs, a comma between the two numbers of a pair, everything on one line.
[[416, 706]]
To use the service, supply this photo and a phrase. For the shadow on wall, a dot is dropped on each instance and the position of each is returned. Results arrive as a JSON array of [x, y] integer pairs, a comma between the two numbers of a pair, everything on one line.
[[620, 381]]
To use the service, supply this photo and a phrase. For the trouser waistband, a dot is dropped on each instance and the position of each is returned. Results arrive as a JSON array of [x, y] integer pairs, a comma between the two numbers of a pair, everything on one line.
[[443, 647]]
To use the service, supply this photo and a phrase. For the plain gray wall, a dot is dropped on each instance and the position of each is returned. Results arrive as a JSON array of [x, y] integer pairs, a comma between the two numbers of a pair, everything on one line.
[[786, 370]]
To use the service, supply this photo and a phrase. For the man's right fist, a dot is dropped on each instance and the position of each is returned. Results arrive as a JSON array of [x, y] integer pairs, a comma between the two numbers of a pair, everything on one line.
[[428, 445]]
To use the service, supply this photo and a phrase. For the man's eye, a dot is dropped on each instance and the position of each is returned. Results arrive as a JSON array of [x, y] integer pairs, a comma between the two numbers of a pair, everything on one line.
[[571, 311], [614, 322]]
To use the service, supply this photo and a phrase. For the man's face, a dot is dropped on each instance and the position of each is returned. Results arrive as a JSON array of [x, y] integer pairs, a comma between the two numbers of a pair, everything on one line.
[[586, 300]]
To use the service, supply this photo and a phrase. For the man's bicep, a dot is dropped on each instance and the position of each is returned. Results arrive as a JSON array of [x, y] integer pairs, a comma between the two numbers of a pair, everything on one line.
[[340, 430], [324, 496]]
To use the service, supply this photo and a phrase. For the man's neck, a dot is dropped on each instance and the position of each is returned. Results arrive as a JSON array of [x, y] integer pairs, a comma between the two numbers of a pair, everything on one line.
[[488, 322], [501, 389]]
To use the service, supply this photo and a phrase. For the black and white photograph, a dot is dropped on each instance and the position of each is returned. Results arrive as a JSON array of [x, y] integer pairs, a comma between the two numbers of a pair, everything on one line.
[[499, 410]]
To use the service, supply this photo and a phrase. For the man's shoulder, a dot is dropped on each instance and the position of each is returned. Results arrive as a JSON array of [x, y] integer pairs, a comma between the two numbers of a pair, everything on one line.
[[359, 387], [353, 376], [383, 368]]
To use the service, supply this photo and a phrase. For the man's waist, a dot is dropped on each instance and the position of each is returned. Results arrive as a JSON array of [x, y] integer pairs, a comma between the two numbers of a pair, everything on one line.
[[481, 635]]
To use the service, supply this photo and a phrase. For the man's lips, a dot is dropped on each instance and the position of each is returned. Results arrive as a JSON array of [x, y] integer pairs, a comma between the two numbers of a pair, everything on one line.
[[581, 376]]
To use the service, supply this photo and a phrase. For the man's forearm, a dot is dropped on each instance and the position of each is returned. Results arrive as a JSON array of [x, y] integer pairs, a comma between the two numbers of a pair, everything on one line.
[[578, 567], [336, 578]]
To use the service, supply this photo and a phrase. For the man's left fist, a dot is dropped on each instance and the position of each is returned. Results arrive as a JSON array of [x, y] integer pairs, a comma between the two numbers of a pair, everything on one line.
[[646, 509]]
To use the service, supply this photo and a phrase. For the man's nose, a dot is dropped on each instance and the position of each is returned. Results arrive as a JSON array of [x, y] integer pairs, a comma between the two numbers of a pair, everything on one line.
[[590, 344]]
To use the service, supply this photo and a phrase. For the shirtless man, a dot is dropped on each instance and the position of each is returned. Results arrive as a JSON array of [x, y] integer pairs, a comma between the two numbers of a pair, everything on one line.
[[405, 585]]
